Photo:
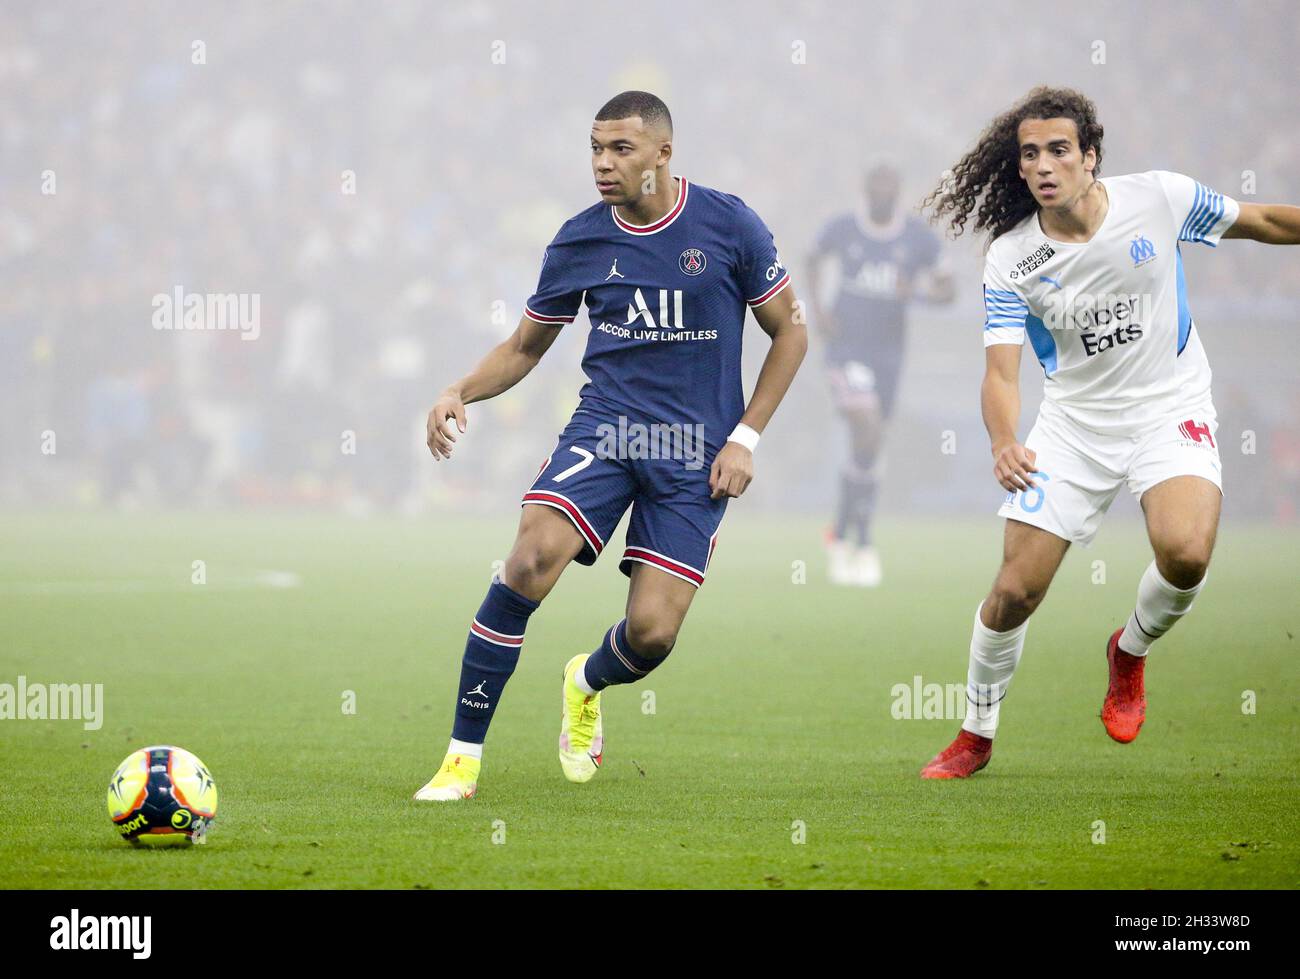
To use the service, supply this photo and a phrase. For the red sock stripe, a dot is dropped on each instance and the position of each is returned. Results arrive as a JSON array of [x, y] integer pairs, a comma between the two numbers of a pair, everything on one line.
[[613, 644], [500, 638]]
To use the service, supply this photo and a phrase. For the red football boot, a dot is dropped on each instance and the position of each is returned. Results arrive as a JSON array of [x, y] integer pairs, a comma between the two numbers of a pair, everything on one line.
[[1125, 706], [961, 759]]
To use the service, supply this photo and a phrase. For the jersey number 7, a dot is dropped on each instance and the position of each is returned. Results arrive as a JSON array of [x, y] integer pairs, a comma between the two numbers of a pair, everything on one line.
[[577, 467]]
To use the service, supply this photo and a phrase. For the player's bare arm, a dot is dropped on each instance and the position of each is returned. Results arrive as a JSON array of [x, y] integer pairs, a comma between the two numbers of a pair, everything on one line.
[[1000, 404], [823, 322], [1273, 224], [937, 287], [733, 468], [505, 365]]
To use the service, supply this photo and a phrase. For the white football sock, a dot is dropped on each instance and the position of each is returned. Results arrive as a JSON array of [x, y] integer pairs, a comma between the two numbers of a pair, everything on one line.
[[993, 659], [1159, 606], [580, 679], [467, 748]]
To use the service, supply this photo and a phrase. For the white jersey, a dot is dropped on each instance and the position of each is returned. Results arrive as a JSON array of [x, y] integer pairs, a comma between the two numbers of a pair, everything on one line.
[[1108, 318]]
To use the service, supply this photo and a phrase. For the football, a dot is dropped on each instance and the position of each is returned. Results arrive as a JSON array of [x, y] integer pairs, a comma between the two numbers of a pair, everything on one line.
[[162, 796]]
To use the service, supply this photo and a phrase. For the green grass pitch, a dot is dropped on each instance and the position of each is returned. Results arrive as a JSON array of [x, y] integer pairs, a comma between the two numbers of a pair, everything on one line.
[[771, 722]]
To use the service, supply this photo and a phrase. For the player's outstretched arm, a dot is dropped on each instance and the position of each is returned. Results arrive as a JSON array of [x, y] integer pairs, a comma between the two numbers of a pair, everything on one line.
[[938, 287], [781, 318], [823, 322], [506, 365], [1000, 403], [1273, 224]]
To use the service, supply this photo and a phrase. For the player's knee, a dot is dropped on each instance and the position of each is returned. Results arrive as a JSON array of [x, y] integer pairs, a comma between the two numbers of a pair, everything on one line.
[[1184, 565], [649, 638], [1014, 600], [866, 424], [865, 453], [530, 565]]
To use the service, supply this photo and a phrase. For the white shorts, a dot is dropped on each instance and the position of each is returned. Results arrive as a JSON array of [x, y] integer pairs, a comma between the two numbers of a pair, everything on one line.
[[1081, 471]]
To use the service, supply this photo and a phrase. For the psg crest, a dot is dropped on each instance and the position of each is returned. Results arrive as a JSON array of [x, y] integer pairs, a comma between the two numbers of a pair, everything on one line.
[[692, 261]]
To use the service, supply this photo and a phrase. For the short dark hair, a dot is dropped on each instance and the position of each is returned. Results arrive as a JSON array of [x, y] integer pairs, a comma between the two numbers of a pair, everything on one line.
[[649, 107]]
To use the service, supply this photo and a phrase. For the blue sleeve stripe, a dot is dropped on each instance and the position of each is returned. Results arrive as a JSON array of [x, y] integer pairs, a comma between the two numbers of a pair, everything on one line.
[[1196, 206], [1044, 344], [1207, 210], [1004, 309], [1208, 214], [1211, 216], [1004, 299]]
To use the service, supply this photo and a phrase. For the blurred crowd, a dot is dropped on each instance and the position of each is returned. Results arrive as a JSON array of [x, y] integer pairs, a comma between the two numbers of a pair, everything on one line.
[[384, 177]]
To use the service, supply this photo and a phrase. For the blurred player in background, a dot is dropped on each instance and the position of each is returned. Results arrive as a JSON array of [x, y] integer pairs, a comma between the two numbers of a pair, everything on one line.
[[879, 259], [666, 269], [1090, 270]]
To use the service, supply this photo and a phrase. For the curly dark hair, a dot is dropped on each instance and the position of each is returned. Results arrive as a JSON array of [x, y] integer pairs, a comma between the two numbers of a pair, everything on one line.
[[991, 169]]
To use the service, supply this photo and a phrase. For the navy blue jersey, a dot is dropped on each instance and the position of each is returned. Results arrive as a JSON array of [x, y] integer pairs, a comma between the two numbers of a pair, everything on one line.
[[666, 303], [876, 267]]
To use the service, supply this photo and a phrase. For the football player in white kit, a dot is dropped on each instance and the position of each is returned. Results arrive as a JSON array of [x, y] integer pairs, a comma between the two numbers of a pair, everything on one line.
[[1088, 269]]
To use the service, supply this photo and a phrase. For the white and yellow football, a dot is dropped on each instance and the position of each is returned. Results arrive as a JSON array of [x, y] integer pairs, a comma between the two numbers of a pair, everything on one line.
[[162, 796]]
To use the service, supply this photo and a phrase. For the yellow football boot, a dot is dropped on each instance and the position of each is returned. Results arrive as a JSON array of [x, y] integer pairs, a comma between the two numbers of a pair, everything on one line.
[[456, 779], [582, 740]]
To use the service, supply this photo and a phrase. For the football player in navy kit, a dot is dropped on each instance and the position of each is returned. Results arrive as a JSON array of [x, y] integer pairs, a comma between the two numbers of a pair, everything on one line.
[[667, 269], [884, 259]]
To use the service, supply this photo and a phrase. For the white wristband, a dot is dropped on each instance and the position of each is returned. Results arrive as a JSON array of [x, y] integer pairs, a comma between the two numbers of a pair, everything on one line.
[[745, 435]]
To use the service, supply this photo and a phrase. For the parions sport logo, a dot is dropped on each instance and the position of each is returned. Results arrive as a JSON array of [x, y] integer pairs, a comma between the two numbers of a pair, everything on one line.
[[1104, 320], [692, 261], [1032, 261]]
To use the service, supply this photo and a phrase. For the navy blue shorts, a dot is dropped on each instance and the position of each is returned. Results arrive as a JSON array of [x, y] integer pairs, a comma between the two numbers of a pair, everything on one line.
[[594, 474], [857, 383]]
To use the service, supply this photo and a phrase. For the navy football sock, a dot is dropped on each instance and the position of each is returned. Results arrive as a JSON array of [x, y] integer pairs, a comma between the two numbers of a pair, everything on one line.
[[857, 505], [866, 508], [844, 508], [491, 653], [615, 661]]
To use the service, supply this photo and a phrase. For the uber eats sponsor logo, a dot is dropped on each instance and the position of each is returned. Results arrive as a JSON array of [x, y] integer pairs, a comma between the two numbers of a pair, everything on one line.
[[108, 932], [1104, 321]]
